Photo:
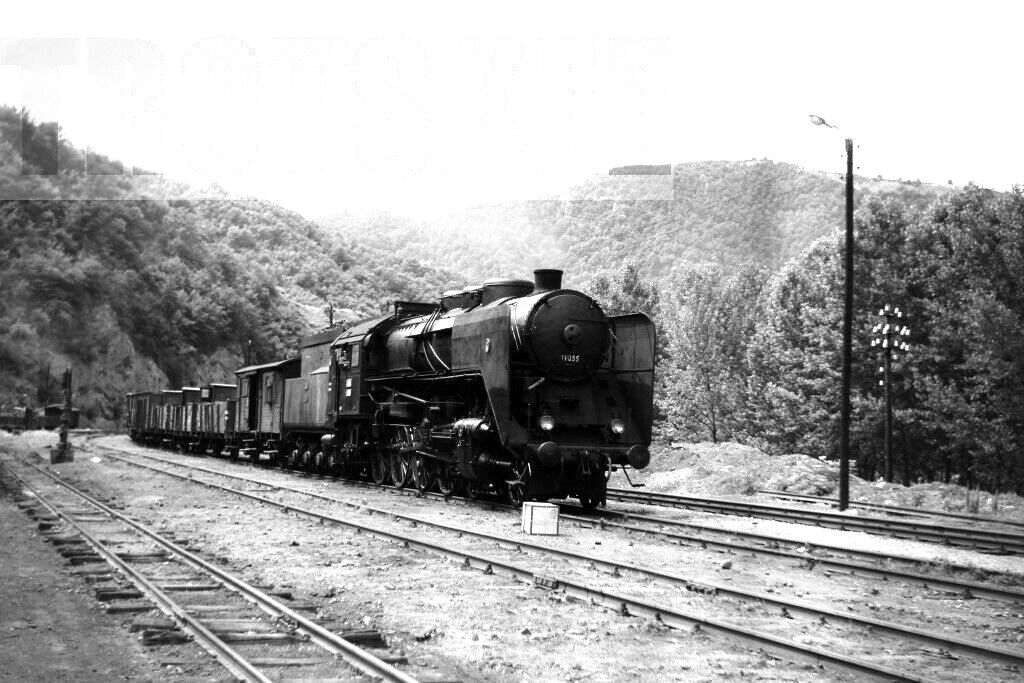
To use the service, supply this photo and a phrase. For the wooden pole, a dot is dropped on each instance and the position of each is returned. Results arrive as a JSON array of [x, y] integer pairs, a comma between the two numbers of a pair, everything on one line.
[[844, 402]]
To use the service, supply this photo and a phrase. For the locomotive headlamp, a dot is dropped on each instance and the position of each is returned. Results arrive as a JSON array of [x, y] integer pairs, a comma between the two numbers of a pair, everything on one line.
[[546, 422], [618, 426]]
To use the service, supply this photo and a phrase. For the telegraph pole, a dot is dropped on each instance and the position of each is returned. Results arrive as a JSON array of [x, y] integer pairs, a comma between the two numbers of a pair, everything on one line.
[[892, 335], [844, 419], [844, 396]]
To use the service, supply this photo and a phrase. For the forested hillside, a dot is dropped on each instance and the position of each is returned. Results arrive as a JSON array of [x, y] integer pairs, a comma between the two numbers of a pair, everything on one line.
[[138, 294], [741, 270], [755, 356], [722, 213]]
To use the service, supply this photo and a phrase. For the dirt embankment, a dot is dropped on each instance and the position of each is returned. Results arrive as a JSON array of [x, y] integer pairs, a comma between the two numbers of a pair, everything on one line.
[[726, 469]]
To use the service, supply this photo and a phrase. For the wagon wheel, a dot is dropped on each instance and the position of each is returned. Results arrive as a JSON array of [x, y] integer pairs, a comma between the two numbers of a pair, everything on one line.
[[401, 469], [378, 469], [447, 480], [587, 501], [423, 473], [319, 462]]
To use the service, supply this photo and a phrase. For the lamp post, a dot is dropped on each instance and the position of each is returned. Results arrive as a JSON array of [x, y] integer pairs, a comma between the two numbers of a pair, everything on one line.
[[844, 400], [892, 338]]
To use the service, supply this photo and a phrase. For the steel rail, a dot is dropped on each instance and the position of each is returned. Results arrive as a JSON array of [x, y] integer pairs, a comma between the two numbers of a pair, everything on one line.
[[624, 604], [972, 588], [969, 588], [894, 509], [936, 533], [229, 658], [1009, 656], [356, 656], [950, 642]]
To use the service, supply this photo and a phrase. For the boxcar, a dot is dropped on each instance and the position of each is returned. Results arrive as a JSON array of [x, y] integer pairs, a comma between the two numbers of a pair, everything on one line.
[[259, 414]]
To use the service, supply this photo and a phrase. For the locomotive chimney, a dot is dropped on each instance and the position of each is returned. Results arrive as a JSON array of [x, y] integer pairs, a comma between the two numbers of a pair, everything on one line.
[[547, 279]]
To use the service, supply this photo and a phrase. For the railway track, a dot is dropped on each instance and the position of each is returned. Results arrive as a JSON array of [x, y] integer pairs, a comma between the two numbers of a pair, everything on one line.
[[859, 563], [231, 619], [896, 510], [862, 563], [944, 642], [984, 540]]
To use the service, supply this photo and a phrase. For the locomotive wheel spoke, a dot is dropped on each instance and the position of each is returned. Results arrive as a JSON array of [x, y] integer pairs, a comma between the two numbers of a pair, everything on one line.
[[515, 491], [379, 470], [400, 469], [422, 474], [516, 494]]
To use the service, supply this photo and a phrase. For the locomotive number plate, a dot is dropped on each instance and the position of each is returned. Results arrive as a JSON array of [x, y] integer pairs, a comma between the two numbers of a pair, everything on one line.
[[570, 358]]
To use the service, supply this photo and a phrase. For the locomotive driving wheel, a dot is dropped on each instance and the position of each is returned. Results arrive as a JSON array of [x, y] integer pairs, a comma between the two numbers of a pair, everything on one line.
[[401, 469], [378, 469], [423, 473]]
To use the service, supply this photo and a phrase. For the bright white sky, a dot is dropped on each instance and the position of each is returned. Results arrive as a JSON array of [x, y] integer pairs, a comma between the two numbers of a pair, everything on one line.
[[422, 107]]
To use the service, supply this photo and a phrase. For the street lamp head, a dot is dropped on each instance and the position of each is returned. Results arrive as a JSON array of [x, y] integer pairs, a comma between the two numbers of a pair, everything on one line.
[[818, 121]]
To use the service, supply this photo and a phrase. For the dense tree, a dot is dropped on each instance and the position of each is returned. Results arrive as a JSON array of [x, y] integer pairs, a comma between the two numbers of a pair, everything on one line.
[[955, 270], [709, 317], [139, 294]]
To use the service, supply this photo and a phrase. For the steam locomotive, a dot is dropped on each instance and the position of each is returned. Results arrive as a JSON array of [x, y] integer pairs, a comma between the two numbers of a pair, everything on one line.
[[520, 389]]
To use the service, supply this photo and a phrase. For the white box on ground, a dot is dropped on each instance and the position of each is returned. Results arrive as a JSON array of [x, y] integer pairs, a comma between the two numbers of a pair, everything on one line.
[[540, 518]]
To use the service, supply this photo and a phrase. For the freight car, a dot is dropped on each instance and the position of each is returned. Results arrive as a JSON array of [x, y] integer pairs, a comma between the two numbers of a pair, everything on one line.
[[517, 388], [19, 419]]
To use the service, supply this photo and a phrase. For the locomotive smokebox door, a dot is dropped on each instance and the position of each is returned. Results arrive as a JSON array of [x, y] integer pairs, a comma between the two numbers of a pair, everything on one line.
[[567, 336]]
